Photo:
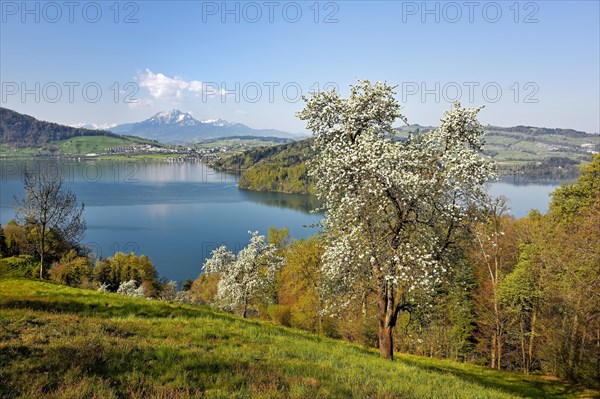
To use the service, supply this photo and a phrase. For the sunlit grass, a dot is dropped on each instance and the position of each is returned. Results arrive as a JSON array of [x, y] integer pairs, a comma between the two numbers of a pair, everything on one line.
[[59, 342]]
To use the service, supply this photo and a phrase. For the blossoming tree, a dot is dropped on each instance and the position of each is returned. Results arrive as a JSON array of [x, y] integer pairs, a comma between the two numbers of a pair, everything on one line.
[[250, 272], [392, 207]]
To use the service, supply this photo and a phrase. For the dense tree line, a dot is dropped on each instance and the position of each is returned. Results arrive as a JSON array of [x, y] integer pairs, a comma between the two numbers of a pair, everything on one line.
[[70, 264]]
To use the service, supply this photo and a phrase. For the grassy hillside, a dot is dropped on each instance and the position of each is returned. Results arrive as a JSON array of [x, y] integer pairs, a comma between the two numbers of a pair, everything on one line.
[[96, 144], [24, 136], [537, 152], [60, 342], [523, 144]]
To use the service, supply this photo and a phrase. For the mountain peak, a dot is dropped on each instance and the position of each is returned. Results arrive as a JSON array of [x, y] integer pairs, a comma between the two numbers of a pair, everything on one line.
[[176, 126], [173, 117]]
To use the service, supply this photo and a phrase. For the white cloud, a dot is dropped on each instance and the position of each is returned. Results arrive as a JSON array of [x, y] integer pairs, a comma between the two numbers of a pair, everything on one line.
[[141, 104], [164, 87], [241, 112], [195, 86]]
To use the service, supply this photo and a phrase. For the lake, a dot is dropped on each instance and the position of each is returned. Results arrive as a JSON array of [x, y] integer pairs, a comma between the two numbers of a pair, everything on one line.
[[178, 213]]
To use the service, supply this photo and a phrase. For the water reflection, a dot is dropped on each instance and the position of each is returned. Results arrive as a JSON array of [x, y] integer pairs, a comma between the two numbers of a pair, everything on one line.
[[299, 202]]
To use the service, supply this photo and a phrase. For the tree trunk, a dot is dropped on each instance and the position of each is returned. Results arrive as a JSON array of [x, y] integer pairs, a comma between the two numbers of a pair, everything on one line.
[[387, 321], [493, 351], [386, 342], [532, 339], [42, 252], [245, 313], [524, 362], [499, 348]]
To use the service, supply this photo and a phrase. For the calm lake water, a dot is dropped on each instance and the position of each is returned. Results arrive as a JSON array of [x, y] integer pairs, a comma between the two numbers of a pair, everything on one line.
[[178, 213]]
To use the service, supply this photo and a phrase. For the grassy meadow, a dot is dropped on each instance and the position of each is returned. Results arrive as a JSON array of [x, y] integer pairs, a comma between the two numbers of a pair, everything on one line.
[[61, 342]]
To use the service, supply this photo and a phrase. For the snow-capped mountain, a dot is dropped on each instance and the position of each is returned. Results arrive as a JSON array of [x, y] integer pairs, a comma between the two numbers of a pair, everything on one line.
[[94, 126], [217, 122], [172, 118], [181, 127]]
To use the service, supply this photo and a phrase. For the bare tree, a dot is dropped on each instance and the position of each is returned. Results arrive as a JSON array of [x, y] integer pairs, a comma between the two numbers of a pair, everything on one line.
[[50, 207]]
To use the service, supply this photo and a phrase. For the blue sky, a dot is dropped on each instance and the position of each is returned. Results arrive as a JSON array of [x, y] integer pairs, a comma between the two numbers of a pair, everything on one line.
[[530, 63]]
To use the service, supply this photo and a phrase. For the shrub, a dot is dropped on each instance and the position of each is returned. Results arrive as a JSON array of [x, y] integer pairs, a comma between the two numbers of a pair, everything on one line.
[[130, 288], [125, 267], [21, 266], [204, 288], [169, 291], [281, 314], [72, 271]]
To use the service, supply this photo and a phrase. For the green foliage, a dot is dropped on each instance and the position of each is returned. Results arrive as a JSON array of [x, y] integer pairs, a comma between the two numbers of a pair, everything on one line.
[[298, 282], [72, 270], [569, 199], [273, 176], [278, 237], [279, 168], [3, 246], [281, 314], [18, 266], [15, 240], [187, 285], [204, 288], [520, 288], [125, 267]]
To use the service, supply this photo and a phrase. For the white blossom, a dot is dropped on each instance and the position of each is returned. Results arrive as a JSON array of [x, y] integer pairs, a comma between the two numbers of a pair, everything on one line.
[[130, 288], [243, 275]]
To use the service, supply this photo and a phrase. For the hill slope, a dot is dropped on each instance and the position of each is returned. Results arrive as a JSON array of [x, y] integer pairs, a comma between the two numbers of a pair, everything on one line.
[[63, 342], [279, 168], [23, 135], [519, 144], [20, 130], [538, 152]]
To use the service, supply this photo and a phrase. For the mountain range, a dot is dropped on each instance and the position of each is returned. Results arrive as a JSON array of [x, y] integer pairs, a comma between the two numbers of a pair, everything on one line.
[[181, 127]]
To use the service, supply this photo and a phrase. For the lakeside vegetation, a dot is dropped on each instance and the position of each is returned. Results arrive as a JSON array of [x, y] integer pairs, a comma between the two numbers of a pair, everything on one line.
[[279, 168]]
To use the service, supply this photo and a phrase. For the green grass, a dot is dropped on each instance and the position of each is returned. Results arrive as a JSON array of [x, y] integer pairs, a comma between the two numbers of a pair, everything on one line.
[[60, 342]]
